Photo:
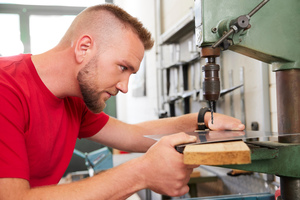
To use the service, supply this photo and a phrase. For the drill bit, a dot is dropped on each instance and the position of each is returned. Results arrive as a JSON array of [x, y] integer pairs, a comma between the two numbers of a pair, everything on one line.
[[212, 111]]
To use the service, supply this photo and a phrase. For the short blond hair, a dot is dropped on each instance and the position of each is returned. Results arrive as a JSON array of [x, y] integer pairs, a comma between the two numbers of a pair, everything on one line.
[[88, 19]]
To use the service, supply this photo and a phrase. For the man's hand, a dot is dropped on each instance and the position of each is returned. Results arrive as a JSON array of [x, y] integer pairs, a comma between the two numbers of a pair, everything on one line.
[[223, 122], [165, 172]]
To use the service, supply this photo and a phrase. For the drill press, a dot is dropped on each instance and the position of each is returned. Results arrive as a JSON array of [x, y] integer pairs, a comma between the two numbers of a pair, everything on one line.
[[211, 82], [272, 37]]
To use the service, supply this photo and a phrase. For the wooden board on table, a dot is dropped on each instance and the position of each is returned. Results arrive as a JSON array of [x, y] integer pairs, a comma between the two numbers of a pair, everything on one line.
[[223, 153]]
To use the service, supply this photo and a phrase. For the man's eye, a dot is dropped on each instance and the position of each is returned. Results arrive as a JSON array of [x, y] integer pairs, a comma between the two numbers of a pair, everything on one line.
[[123, 68]]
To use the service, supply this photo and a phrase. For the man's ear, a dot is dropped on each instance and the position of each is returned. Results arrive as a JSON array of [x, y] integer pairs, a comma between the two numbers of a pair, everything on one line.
[[83, 47]]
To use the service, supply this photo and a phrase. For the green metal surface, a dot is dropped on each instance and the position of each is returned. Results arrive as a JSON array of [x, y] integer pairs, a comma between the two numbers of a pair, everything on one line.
[[259, 152], [111, 107], [276, 158], [274, 36], [262, 196]]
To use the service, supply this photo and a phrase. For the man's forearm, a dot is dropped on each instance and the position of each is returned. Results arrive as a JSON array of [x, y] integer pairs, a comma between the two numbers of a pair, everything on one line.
[[128, 137], [183, 123], [117, 183], [189, 122], [163, 173]]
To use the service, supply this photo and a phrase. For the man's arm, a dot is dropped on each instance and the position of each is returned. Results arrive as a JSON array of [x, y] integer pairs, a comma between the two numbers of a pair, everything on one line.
[[160, 169], [130, 137]]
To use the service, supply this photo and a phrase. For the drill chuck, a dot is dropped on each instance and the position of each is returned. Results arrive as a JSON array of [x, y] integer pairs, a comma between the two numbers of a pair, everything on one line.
[[211, 82]]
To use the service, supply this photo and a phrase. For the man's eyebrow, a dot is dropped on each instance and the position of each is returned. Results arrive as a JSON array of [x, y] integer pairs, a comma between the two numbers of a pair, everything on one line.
[[132, 69], [129, 66]]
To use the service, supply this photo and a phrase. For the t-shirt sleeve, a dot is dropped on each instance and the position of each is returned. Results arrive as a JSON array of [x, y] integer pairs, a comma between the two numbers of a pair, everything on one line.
[[92, 123], [13, 153]]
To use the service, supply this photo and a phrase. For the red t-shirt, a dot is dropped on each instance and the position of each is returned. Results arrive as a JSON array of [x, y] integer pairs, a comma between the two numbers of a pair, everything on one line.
[[38, 131]]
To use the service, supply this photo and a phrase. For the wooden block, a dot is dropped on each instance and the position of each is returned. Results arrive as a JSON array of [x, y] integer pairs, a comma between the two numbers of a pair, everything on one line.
[[224, 153], [236, 172], [116, 151], [195, 173]]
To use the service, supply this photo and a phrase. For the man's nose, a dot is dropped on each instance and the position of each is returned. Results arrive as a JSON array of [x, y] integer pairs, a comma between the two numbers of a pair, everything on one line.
[[123, 86]]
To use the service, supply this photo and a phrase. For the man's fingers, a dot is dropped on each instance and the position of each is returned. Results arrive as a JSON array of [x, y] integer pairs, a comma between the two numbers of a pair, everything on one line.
[[179, 138], [192, 166], [224, 122], [239, 127]]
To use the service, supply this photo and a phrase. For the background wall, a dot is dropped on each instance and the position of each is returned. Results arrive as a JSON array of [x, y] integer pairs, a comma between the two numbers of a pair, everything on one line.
[[172, 11], [137, 109]]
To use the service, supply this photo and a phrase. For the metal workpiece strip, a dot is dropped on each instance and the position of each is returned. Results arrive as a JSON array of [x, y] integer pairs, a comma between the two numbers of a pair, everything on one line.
[[207, 136], [220, 135]]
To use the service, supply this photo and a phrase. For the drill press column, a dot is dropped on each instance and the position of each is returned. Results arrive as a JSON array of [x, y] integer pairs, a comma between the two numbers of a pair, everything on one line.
[[288, 106]]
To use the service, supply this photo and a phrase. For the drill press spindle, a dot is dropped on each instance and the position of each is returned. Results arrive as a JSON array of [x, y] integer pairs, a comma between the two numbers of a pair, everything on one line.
[[211, 82]]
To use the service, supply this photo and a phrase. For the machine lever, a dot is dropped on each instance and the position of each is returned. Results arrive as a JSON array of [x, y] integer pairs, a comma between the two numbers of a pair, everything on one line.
[[217, 43], [259, 6], [242, 22]]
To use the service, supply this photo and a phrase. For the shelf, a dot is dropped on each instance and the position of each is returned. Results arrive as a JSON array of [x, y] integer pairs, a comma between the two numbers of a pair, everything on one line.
[[183, 63], [180, 29]]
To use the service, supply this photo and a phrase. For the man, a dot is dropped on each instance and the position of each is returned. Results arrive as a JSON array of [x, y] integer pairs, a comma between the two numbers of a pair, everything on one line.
[[51, 99]]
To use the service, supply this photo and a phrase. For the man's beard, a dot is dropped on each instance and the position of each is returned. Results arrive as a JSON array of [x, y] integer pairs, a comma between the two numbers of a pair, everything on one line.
[[86, 78]]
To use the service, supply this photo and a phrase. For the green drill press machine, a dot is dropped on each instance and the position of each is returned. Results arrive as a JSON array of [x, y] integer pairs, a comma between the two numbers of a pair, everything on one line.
[[268, 31]]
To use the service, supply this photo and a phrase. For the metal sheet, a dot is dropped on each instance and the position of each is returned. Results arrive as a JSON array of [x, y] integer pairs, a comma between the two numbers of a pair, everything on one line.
[[204, 137]]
